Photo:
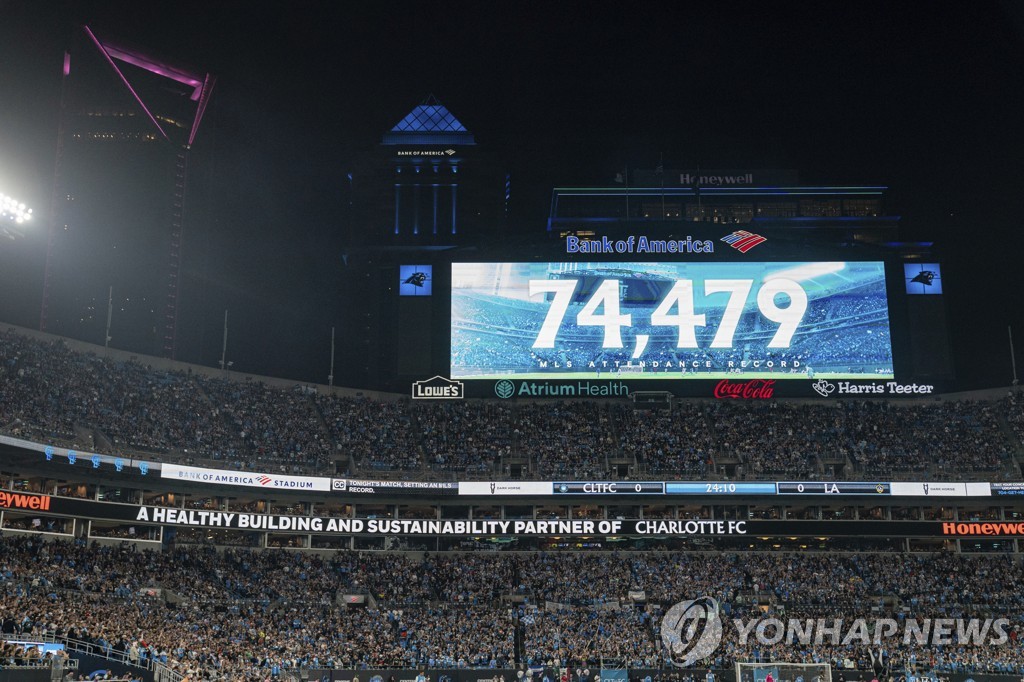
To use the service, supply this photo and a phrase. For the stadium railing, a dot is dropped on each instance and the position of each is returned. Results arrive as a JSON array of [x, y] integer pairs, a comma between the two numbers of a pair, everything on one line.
[[161, 673]]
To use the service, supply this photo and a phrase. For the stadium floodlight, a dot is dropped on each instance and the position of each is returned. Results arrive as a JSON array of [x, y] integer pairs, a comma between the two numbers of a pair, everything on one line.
[[13, 209]]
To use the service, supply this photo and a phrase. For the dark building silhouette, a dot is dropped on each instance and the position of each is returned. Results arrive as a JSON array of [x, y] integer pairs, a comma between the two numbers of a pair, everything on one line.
[[127, 127]]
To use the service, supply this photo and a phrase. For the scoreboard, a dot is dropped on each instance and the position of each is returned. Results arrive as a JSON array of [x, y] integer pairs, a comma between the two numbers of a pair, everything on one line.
[[797, 314], [649, 320]]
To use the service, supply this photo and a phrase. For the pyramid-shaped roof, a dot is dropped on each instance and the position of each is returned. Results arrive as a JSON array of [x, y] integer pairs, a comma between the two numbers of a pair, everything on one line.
[[430, 121], [429, 117]]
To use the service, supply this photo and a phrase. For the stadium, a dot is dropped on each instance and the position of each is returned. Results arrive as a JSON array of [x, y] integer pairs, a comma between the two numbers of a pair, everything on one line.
[[478, 538], [692, 425]]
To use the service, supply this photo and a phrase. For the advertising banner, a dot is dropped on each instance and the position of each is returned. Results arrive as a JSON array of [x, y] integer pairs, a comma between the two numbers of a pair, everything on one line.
[[639, 528], [245, 479]]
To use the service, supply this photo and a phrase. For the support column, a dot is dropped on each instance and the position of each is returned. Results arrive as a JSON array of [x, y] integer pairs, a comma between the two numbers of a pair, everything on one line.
[[435, 208], [398, 205], [455, 188], [416, 209]]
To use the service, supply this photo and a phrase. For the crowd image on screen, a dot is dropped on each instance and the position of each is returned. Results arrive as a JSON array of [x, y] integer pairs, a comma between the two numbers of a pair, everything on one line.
[[843, 333]]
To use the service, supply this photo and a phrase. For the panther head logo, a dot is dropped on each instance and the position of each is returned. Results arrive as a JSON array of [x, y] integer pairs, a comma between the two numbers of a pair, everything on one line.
[[924, 277]]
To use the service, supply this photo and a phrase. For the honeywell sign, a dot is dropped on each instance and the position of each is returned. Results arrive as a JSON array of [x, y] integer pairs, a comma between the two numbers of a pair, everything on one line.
[[721, 180], [24, 501], [976, 529]]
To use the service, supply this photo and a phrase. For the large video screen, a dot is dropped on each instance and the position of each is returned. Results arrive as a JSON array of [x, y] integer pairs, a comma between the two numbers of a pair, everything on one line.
[[670, 320]]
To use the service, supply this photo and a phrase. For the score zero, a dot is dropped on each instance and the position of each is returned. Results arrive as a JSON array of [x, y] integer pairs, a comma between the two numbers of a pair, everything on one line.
[[680, 297]]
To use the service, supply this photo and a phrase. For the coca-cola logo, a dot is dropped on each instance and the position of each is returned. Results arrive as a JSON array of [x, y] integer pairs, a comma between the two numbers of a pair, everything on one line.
[[755, 389]]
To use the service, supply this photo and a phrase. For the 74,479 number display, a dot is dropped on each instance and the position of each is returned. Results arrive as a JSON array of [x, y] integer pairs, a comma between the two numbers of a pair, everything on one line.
[[676, 309]]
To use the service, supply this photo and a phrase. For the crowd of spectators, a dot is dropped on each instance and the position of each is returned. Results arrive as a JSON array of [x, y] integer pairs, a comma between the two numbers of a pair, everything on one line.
[[673, 443], [243, 614], [773, 438], [53, 394], [27, 655], [469, 439], [566, 439], [276, 427], [471, 579], [457, 637], [617, 637], [1014, 410], [945, 438], [377, 434]]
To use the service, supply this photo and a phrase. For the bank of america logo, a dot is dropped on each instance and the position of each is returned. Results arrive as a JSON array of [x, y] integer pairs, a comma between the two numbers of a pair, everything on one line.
[[743, 241], [264, 479]]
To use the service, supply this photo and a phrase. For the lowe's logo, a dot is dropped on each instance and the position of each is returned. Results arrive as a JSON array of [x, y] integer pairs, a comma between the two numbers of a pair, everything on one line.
[[438, 388]]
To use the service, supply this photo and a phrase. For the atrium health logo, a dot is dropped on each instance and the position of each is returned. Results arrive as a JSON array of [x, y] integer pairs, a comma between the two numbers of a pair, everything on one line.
[[691, 631], [504, 389]]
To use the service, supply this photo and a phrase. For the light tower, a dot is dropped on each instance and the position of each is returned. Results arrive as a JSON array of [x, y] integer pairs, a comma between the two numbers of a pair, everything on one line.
[[13, 214]]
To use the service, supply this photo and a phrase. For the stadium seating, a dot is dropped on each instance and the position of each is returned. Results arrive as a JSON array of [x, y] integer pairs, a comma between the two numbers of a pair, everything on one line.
[[238, 613], [52, 394]]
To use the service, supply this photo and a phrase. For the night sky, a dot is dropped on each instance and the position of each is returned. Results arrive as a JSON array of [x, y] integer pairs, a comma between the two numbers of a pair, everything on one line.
[[924, 99]]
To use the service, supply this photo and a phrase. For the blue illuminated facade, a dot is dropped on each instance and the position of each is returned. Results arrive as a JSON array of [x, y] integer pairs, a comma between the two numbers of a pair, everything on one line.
[[428, 145], [429, 123]]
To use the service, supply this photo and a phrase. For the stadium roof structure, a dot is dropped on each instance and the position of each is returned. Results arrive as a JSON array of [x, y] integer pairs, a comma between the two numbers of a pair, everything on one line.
[[621, 207], [430, 122]]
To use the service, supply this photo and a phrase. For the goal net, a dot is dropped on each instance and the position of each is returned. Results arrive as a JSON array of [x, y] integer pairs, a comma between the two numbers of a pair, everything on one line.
[[783, 672]]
